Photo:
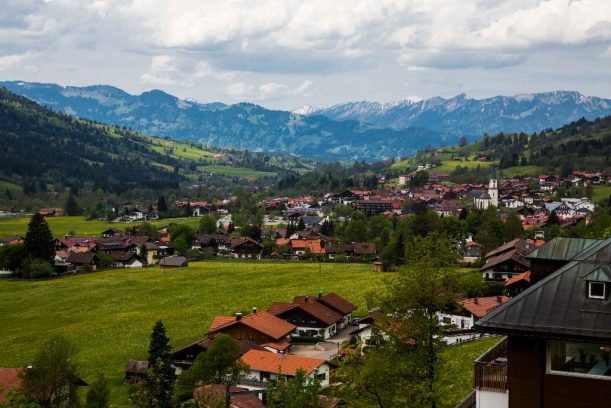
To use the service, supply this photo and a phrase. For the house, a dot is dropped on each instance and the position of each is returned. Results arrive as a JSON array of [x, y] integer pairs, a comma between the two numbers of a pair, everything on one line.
[[217, 241], [214, 395], [449, 207], [10, 240], [374, 207], [299, 247], [265, 368], [360, 250], [518, 284], [311, 318], [174, 261], [345, 197], [51, 212], [184, 357], [489, 198], [259, 327], [558, 336], [245, 248], [507, 260], [404, 179], [473, 252], [135, 371], [81, 260], [338, 304], [468, 311]]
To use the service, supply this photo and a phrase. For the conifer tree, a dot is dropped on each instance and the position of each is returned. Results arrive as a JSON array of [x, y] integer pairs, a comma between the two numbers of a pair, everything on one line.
[[160, 381], [72, 207], [162, 205], [39, 240]]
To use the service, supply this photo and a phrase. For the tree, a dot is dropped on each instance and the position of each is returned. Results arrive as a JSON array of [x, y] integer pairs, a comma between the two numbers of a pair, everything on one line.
[[144, 254], [301, 224], [207, 224], [14, 399], [98, 393], [39, 240], [72, 207], [221, 358], [513, 226], [36, 268], [50, 379], [356, 230], [160, 381], [462, 141], [553, 219], [297, 392], [162, 205], [12, 256]]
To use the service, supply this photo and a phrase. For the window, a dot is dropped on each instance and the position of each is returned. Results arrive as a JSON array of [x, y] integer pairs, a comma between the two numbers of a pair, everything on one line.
[[596, 290], [579, 359]]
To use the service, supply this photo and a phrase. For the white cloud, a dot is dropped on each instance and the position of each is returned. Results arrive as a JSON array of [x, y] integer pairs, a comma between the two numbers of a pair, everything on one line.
[[12, 61]]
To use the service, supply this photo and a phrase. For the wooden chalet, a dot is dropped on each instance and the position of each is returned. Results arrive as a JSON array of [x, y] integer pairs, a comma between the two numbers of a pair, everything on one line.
[[558, 345], [507, 260], [245, 248]]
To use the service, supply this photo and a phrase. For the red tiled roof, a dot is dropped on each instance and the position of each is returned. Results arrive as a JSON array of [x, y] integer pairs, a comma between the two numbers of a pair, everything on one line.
[[319, 311], [240, 398], [262, 322], [287, 364], [9, 378], [338, 303], [278, 308], [521, 277], [480, 307], [279, 345]]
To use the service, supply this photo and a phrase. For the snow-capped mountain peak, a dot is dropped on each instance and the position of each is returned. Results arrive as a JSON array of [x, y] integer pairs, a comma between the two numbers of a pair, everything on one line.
[[306, 110]]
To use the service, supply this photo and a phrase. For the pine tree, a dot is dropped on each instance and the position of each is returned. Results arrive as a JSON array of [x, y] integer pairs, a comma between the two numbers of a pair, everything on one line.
[[301, 224], [144, 254], [160, 382], [72, 207], [162, 205], [39, 240], [98, 393]]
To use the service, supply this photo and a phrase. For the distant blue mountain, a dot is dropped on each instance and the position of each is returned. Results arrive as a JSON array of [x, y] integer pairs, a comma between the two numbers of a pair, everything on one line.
[[463, 115], [242, 125]]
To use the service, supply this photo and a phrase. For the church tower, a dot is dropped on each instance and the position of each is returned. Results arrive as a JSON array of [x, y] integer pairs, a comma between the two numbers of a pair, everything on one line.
[[493, 189]]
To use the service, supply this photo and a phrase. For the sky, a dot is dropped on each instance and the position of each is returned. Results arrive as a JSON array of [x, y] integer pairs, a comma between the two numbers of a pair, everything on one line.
[[283, 54]]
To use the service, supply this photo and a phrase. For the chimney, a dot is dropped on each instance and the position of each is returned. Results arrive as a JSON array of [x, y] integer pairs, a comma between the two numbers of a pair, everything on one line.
[[238, 316], [306, 298], [254, 310], [499, 299], [281, 355], [475, 301], [319, 295]]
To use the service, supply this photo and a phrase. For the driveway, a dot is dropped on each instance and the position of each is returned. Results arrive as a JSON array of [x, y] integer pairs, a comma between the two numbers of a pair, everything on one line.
[[315, 350]]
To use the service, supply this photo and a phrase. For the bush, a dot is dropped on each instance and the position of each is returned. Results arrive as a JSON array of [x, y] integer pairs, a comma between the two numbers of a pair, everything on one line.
[[36, 268]]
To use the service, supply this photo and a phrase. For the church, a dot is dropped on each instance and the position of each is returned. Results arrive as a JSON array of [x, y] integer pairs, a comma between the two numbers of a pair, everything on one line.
[[490, 197]]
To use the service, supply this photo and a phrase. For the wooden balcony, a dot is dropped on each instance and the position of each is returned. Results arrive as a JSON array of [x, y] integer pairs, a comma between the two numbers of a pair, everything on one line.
[[491, 369], [469, 402]]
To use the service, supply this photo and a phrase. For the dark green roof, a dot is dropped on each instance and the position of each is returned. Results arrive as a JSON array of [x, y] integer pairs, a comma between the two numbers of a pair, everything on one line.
[[562, 249], [557, 306], [602, 274]]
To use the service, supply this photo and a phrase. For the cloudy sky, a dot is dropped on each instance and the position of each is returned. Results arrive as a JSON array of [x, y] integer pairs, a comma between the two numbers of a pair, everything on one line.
[[284, 53]]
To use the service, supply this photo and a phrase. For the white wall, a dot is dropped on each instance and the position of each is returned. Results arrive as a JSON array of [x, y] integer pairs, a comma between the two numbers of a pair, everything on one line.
[[491, 399]]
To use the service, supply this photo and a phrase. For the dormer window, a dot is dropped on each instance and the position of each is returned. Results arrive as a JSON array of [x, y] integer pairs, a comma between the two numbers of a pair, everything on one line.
[[597, 290]]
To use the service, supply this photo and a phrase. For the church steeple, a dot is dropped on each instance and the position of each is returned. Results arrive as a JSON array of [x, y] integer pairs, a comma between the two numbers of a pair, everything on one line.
[[493, 189]]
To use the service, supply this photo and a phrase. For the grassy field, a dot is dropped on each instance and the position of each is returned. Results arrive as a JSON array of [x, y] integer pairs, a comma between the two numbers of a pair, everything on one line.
[[237, 171], [456, 379], [601, 192], [109, 315], [60, 226]]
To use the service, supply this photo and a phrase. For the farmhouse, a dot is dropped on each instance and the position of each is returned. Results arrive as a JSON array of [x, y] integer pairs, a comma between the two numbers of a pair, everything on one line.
[[312, 318], [266, 367], [245, 248], [507, 260]]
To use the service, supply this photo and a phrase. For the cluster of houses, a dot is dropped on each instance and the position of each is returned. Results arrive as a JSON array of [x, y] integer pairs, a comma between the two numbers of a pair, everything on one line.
[[265, 339]]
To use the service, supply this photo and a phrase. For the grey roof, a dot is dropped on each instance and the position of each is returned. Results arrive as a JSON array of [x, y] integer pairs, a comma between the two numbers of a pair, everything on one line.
[[562, 249], [557, 306], [178, 261]]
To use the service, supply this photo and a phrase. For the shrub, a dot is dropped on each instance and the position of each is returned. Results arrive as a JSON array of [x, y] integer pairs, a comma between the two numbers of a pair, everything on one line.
[[36, 268]]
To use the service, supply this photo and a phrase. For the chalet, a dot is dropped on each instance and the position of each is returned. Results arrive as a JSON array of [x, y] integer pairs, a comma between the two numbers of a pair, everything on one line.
[[339, 249], [446, 208], [345, 197], [404, 179], [311, 318], [364, 250], [10, 240], [245, 248], [300, 247], [438, 177], [174, 261], [374, 207], [51, 212], [184, 357], [518, 284], [199, 210], [473, 252], [135, 371], [81, 260], [556, 353], [125, 260], [218, 242], [562, 209], [261, 328], [111, 232], [214, 395], [507, 260], [338, 304], [265, 368]]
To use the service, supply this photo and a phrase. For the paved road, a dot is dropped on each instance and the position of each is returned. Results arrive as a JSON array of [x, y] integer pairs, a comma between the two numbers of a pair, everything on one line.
[[331, 346]]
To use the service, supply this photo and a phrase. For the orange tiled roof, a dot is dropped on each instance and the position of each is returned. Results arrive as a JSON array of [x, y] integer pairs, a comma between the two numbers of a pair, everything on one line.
[[521, 277], [262, 322], [279, 345], [287, 364], [480, 307], [312, 244]]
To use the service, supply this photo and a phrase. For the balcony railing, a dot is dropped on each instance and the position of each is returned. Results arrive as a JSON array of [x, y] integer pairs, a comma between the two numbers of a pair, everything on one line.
[[469, 402], [491, 369]]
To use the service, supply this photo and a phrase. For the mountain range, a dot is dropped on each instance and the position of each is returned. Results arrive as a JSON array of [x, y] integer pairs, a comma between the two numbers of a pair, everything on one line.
[[462, 115], [243, 125], [363, 130]]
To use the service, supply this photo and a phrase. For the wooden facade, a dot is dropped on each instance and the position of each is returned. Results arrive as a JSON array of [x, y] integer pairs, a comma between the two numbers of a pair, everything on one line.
[[531, 386]]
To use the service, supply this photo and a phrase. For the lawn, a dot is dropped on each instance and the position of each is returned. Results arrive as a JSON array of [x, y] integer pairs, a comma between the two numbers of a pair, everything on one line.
[[60, 226], [108, 315], [456, 379], [601, 192], [237, 171]]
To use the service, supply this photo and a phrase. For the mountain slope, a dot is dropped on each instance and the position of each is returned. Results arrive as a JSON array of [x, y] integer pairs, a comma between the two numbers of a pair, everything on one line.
[[463, 115], [242, 125]]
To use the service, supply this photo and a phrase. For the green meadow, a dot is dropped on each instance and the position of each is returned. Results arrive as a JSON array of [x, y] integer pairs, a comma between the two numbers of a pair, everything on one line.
[[61, 226]]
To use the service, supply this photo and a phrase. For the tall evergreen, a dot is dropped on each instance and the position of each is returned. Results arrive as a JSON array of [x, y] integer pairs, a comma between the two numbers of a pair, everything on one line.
[[39, 240], [162, 205], [160, 382], [72, 207]]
